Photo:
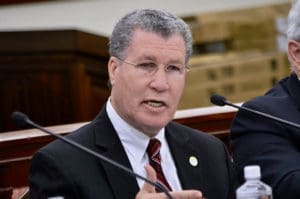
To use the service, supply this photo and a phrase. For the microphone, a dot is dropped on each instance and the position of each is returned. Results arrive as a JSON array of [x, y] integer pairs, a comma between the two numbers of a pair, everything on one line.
[[21, 119], [221, 101]]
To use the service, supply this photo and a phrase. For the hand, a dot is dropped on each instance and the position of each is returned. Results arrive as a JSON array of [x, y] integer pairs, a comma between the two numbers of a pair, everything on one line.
[[148, 191]]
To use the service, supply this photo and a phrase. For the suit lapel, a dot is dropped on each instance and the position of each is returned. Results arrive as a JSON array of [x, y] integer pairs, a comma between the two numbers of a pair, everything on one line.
[[189, 173], [123, 184]]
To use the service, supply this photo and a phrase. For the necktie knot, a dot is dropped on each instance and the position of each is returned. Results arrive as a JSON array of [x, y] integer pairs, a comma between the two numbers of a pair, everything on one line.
[[153, 149]]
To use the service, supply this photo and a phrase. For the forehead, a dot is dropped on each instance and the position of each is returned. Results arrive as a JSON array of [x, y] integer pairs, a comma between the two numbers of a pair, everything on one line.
[[144, 42]]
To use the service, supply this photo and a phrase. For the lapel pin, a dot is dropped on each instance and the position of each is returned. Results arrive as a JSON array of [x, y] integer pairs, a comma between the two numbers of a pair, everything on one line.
[[193, 161]]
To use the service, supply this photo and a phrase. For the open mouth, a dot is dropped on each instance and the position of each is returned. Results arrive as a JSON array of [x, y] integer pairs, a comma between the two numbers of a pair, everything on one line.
[[155, 104]]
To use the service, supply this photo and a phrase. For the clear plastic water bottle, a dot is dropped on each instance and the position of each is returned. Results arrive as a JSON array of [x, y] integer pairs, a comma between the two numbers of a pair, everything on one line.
[[253, 188]]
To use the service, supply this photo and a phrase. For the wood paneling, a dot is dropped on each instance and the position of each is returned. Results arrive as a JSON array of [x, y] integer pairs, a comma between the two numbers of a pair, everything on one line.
[[55, 77]]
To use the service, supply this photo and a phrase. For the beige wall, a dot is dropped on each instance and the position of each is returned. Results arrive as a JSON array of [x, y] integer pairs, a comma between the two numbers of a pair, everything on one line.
[[99, 16]]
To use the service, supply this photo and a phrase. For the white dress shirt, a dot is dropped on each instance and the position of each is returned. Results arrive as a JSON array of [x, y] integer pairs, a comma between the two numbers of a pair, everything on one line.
[[135, 144]]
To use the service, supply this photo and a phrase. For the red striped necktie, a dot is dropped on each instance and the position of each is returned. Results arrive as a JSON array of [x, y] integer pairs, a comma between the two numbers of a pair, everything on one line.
[[155, 161]]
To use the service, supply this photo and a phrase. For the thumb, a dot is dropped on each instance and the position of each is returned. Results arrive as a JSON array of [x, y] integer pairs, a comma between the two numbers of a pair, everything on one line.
[[151, 175]]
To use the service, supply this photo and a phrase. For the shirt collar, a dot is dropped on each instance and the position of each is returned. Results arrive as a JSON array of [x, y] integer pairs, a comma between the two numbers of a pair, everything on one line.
[[134, 141]]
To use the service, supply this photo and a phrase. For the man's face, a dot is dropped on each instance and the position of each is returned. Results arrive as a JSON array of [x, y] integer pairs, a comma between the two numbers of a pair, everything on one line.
[[148, 102]]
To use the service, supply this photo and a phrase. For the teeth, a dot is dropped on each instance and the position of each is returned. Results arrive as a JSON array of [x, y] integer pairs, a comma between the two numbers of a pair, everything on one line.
[[155, 104]]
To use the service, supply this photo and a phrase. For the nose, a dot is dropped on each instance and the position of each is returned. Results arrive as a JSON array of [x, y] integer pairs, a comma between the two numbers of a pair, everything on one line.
[[160, 81]]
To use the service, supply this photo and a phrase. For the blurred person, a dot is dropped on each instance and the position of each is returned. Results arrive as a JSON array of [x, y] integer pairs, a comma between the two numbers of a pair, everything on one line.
[[275, 147]]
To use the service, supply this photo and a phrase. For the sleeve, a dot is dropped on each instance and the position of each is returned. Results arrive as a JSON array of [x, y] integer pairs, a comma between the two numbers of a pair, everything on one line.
[[48, 178], [257, 140]]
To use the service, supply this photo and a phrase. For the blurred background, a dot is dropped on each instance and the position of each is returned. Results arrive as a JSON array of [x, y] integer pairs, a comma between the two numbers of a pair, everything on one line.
[[53, 54]]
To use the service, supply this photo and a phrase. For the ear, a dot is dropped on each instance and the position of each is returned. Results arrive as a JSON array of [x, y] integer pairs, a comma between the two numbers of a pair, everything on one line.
[[112, 68], [294, 53]]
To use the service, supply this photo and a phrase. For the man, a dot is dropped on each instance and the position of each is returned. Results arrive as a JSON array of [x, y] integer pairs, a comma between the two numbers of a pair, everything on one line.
[[272, 145], [149, 52]]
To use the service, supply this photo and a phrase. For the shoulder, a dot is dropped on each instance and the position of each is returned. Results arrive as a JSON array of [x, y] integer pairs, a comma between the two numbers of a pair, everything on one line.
[[272, 99], [194, 136], [84, 135], [271, 103], [61, 149]]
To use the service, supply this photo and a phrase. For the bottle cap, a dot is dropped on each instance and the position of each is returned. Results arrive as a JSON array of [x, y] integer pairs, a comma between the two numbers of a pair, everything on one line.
[[252, 172]]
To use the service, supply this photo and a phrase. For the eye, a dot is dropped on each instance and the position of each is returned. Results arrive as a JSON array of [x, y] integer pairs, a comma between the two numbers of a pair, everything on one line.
[[147, 65], [174, 68]]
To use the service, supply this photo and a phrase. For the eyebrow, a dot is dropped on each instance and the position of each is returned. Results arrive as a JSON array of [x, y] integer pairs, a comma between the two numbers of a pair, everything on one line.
[[147, 57], [153, 58]]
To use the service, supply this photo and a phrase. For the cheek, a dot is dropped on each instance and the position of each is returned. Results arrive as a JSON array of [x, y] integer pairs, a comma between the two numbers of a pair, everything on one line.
[[129, 88], [180, 87], [177, 91]]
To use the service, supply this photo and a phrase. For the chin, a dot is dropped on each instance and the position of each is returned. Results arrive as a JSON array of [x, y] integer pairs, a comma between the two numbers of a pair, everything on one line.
[[151, 122], [155, 126]]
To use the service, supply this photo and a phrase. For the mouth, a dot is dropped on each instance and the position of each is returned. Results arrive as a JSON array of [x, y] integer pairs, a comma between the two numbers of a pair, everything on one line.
[[155, 103]]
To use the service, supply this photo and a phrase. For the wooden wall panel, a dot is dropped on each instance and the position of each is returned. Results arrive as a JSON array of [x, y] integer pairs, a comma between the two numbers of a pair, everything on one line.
[[55, 77]]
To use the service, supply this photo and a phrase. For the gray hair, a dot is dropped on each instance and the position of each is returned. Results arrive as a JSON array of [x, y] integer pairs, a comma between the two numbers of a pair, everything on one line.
[[149, 20], [293, 30]]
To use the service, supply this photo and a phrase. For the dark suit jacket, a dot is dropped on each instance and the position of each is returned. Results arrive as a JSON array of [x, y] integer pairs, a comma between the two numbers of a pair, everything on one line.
[[60, 169], [273, 146]]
